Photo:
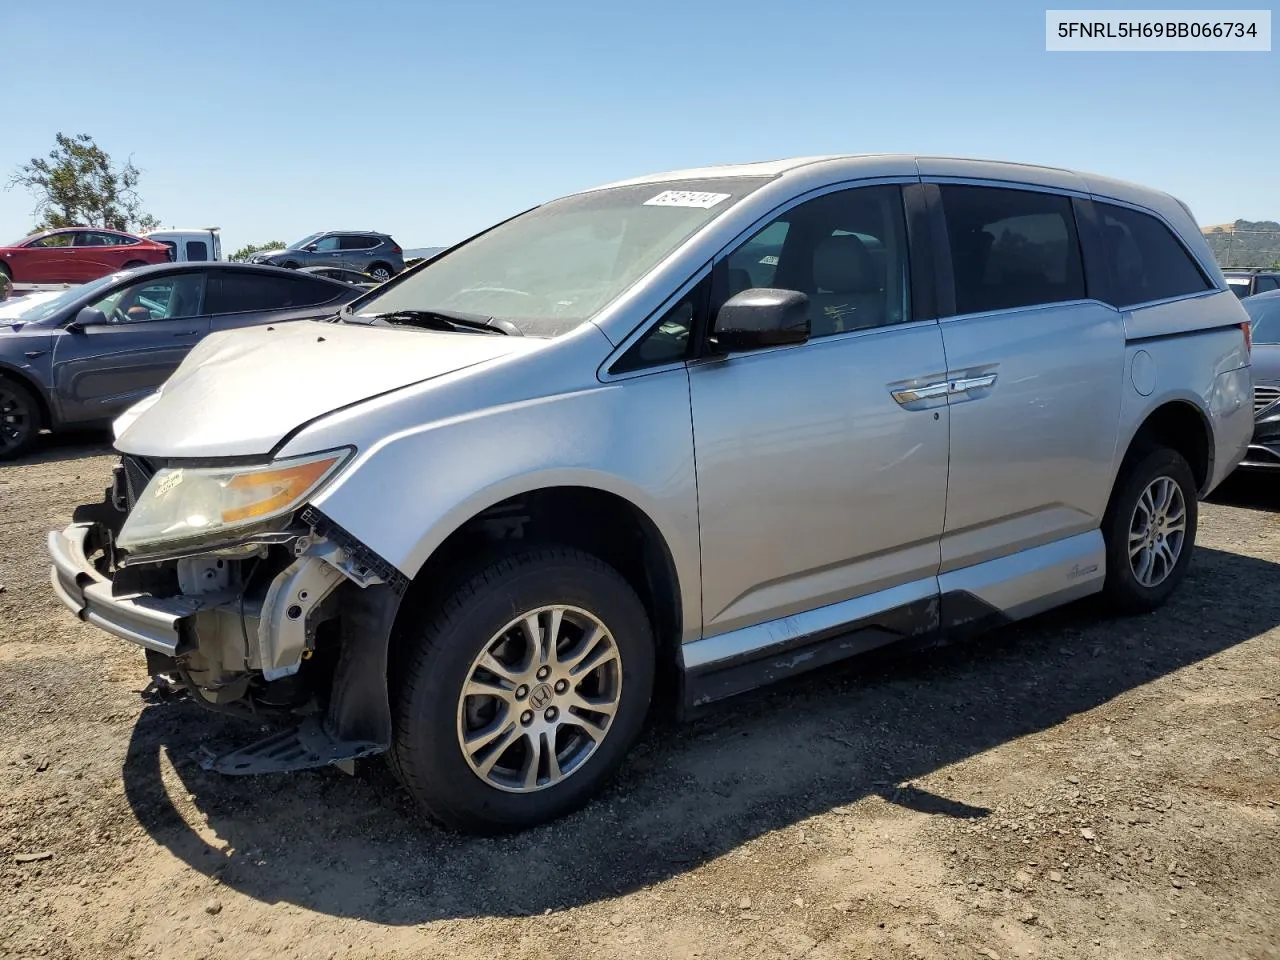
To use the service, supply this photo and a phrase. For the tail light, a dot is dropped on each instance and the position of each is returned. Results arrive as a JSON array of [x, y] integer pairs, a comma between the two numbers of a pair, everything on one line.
[[395, 248], [1247, 329]]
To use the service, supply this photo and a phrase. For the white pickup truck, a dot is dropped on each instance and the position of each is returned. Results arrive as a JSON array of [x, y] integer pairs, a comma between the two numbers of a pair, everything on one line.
[[202, 243]]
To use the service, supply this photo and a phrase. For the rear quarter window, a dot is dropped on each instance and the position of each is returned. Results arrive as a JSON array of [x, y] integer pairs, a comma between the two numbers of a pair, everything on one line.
[[1147, 261]]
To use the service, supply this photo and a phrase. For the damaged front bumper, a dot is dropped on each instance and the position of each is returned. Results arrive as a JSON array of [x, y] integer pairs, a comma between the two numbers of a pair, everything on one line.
[[147, 621], [236, 630]]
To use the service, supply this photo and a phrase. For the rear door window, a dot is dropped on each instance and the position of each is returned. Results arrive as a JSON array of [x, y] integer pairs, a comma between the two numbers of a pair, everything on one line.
[[1011, 248], [242, 292], [359, 243], [1147, 261]]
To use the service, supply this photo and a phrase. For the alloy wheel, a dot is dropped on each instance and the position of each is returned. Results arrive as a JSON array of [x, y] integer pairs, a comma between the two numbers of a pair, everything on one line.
[[539, 699], [1157, 531]]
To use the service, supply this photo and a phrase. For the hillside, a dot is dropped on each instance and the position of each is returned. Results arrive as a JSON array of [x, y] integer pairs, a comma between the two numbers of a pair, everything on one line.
[[1245, 243]]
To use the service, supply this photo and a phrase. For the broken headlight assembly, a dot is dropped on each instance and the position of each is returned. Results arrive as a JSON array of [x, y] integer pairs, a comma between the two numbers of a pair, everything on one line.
[[183, 506]]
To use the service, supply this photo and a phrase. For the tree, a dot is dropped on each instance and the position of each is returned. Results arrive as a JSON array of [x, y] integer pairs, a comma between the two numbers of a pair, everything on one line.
[[249, 249], [77, 184]]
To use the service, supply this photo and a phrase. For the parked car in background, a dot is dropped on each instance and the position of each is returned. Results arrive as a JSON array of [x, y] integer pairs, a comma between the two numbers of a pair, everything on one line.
[[1246, 283], [77, 255], [475, 521], [363, 250], [344, 275], [204, 243], [79, 357], [1264, 312]]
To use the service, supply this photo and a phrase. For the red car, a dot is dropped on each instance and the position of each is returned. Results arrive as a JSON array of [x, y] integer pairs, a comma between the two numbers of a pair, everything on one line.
[[77, 255]]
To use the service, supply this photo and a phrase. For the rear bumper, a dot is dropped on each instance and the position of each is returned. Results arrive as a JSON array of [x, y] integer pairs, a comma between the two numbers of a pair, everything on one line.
[[148, 621]]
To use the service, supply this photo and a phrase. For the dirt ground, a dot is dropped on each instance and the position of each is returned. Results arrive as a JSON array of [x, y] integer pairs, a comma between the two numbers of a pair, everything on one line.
[[1071, 787]]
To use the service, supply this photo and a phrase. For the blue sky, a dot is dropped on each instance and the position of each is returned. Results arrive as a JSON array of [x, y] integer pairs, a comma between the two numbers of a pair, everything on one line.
[[431, 121]]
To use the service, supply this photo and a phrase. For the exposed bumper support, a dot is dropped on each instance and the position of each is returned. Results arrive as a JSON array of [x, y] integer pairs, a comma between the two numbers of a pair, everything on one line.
[[147, 621]]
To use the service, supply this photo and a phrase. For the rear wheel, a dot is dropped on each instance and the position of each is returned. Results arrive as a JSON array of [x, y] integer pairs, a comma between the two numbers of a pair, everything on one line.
[[134, 263], [523, 693], [1150, 530], [380, 272], [19, 419]]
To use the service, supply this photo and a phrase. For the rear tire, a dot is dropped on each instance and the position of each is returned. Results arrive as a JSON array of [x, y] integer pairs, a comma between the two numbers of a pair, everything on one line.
[[496, 730], [1150, 531], [134, 263], [20, 419], [380, 272]]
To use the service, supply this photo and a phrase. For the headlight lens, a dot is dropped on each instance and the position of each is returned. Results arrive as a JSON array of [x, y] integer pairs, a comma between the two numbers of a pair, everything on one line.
[[199, 503]]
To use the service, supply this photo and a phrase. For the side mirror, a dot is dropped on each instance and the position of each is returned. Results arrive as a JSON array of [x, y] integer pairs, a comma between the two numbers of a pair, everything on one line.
[[87, 317], [311, 248], [761, 317]]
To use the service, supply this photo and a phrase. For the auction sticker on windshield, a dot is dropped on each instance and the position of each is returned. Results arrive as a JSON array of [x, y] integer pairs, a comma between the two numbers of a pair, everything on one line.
[[686, 198]]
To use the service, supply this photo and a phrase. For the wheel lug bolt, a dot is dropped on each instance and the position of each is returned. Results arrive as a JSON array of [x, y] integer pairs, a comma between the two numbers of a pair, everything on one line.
[[521, 692], [544, 672], [526, 718], [562, 686], [551, 714]]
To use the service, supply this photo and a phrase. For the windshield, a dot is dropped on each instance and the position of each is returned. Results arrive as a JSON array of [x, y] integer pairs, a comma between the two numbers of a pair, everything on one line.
[[299, 244], [548, 270], [43, 309], [1266, 319], [21, 240]]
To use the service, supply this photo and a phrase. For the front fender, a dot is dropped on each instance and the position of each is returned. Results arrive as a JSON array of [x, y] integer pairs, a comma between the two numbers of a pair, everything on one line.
[[407, 492]]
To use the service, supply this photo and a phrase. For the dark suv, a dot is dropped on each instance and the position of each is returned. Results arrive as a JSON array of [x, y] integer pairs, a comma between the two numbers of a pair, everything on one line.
[[363, 250], [1245, 282]]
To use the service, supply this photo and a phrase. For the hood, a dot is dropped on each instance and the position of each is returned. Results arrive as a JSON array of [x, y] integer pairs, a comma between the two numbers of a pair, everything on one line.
[[266, 254], [240, 392]]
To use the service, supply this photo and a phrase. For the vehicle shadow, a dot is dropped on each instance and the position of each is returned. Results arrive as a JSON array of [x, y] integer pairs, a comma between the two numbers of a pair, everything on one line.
[[355, 847], [68, 445], [1255, 490]]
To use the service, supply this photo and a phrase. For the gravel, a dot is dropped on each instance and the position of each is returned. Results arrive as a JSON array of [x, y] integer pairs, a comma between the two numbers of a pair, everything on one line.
[[1070, 787]]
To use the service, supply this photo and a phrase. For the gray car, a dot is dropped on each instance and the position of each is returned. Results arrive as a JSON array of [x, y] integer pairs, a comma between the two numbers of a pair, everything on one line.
[[81, 357], [365, 251], [1264, 451], [656, 443]]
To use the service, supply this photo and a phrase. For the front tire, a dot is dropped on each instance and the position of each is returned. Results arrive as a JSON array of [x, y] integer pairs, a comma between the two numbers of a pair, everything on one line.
[[1150, 531], [20, 419], [524, 691]]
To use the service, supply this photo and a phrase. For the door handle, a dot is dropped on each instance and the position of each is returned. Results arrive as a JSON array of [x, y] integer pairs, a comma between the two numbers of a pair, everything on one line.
[[186, 333], [912, 394], [943, 388], [966, 384]]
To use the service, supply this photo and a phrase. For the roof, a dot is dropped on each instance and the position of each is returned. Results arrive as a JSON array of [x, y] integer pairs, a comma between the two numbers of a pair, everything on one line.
[[764, 168], [933, 165]]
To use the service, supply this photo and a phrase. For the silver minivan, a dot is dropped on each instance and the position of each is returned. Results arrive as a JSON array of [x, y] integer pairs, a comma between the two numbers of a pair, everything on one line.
[[656, 443]]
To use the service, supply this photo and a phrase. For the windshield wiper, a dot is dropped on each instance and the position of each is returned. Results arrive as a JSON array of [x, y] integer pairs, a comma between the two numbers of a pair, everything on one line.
[[437, 320]]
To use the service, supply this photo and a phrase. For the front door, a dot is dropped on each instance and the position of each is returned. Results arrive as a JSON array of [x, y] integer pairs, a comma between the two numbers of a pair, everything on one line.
[[151, 325], [1036, 369], [327, 253], [821, 477], [50, 259]]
